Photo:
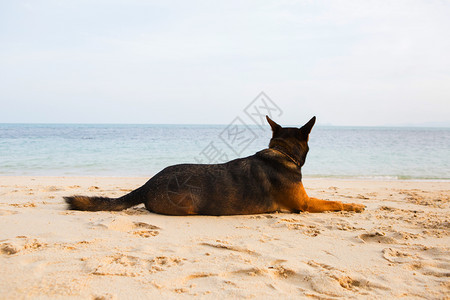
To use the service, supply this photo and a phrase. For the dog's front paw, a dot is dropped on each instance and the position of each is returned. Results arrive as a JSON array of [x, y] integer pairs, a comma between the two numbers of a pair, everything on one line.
[[354, 207]]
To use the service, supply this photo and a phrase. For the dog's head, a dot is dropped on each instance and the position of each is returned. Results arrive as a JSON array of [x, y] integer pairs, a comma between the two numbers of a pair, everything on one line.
[[293, 141]]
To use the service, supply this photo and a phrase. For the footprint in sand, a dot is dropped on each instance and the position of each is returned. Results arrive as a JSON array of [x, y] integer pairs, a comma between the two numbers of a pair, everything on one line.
[[422, 198], [402, 235], [397, 256], [21, 244], [145, 230], [341, 224], [345, 280], [428, 261], [126, 265], [307, 228], [123, 224], [8, 249], [146, 233], [376, 237], [313, 280]]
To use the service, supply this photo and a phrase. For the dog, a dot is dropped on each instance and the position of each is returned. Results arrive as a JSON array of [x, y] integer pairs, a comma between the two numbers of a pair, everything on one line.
[[266, 182]]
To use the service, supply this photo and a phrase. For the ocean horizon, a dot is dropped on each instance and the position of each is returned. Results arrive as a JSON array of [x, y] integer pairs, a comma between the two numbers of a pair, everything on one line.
[[346, 152]]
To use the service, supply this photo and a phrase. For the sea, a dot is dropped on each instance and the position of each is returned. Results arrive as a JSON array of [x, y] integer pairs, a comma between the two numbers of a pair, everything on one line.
[[384, 153]]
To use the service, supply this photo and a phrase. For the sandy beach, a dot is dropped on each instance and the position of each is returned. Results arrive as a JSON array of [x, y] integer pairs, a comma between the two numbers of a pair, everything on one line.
[[398, 247]]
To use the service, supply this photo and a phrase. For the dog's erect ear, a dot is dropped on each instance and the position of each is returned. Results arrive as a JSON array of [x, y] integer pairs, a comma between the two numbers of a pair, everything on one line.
[[275, 126], [306, 129]]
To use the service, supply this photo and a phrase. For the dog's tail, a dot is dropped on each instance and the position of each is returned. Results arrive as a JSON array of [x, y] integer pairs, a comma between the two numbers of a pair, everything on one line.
[[135, 197]]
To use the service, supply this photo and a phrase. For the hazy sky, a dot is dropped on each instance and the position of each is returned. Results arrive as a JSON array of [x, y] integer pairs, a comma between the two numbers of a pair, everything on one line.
[[136, 61]]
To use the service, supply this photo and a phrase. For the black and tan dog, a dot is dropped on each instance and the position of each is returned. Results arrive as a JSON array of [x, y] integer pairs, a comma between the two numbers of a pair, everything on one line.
[[268, 181]]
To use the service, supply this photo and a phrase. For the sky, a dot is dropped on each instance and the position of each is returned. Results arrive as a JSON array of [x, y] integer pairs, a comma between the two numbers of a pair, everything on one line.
[[357, 63]]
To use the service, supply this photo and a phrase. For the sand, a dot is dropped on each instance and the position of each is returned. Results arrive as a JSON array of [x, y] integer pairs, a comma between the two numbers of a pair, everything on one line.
[[398, 247]]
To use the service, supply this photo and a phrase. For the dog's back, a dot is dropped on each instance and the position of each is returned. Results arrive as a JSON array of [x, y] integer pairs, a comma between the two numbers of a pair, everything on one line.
[[241, 186]]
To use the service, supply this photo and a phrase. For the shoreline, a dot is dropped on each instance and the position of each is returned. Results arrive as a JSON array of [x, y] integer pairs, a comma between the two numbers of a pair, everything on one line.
[[308, 178], [397, 247]]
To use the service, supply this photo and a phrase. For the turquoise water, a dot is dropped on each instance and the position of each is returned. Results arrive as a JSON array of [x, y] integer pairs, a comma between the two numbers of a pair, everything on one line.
[[143, 150]]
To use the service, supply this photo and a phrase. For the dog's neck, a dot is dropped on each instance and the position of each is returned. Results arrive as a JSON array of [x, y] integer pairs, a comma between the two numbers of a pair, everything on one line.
[[285, 153]]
